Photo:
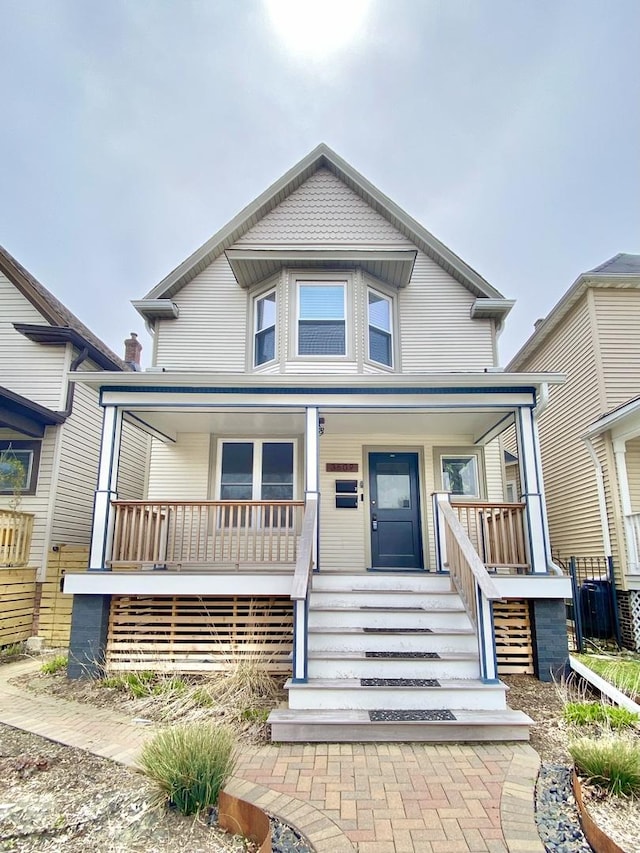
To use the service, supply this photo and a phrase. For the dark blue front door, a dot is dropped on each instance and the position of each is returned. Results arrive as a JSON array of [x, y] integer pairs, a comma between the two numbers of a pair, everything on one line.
[[396, 542]]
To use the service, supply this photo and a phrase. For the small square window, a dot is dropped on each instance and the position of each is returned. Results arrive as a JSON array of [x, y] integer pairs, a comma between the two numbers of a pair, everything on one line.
[[460, 475], [19, 463]]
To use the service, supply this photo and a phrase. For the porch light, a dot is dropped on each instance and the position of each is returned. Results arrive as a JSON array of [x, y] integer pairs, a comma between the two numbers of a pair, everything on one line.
[[320, 425]]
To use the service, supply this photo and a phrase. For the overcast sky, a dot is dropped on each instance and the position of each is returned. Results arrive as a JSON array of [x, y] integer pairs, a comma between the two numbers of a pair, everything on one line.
[[134, 129]]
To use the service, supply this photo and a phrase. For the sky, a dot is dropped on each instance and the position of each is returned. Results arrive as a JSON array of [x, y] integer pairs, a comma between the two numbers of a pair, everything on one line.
[[134, 129]]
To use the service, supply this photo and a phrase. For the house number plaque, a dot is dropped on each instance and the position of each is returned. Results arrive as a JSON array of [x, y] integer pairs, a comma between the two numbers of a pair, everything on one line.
[[342, 467]]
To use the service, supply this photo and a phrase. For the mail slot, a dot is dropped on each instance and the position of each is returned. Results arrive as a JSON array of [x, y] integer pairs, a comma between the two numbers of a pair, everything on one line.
[[346, 486], [346, 502]]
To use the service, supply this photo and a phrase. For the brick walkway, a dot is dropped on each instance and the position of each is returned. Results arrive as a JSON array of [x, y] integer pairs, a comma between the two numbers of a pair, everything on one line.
[[369, 798]]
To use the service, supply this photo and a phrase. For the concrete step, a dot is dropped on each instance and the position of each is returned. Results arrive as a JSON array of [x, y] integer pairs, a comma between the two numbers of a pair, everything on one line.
[[411, 581], [351, 664], [327, 638], [356, 726], [399, 694], [356, 597], [382, 617]]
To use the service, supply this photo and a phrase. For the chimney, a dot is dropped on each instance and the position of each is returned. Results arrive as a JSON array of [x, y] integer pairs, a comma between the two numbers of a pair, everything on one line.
[[132, 350]]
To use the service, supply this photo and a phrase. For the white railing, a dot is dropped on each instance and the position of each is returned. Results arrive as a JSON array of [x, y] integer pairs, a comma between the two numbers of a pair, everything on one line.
[[16, 529], [300, 589], [496, 531], [632, 528], [205, 534], [471, 579]]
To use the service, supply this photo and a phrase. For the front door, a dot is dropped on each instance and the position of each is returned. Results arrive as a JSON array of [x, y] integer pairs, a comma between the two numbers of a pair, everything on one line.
[[396, 542]]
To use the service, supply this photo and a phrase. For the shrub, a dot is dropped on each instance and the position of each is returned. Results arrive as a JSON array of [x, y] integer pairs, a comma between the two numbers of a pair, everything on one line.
[[612, 763], [190, 764], [587, 713], [56, 664]]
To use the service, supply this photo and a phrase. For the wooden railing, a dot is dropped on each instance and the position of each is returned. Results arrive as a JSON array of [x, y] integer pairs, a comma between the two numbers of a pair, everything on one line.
[[205, 534], [300, 589], [496, 531], [16, 529], [471, 579]]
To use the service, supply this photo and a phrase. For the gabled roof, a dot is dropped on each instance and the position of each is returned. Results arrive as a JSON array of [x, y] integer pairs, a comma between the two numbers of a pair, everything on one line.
[[321, 157], [56, 314], [620, 270]]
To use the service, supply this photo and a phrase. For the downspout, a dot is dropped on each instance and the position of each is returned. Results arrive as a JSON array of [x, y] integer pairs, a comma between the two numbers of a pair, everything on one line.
[[602, 501], [75, 364], [543, 402]]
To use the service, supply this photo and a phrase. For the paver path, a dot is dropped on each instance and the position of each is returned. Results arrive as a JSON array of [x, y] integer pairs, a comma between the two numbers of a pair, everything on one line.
[[370, 798]]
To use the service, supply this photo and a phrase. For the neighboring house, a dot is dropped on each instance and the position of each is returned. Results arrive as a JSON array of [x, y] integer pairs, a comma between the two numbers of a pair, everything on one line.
[[324, 396], [590, 434], [49, 443]]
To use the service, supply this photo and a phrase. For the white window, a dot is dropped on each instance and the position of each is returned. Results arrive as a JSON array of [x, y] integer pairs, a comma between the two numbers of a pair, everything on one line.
[[322, 318], [380, 320], [264, 334], [460, 475], [256, 470]]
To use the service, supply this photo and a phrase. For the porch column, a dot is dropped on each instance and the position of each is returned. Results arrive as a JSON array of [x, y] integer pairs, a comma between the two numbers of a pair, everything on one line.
[[102, 533], [531, 480], [620, 453], [311, 467]]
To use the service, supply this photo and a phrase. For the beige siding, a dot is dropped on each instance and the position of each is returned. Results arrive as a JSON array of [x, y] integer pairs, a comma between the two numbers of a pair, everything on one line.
[[77, 470], [180, 471], [33, 370], [134, 458], [568, 471], [633, 472], [494, 471], [618, 318], [324, 210], [211, 331], [436, 330]]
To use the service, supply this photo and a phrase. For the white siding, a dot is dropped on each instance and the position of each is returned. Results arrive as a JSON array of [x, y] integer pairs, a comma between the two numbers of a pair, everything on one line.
[[436, 329], [324, 210], [134, 459], [180, 471], [77, 470], [33, 370], [211, 331]]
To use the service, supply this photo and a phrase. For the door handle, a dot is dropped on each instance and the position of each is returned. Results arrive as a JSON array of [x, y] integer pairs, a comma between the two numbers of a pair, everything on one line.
[[374, 522]]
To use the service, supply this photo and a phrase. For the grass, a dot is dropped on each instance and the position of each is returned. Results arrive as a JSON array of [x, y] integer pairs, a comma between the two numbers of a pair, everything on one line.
[[621, 671], [190, 764], [612, 763], [590, 713], [56, 664], [11, 652]]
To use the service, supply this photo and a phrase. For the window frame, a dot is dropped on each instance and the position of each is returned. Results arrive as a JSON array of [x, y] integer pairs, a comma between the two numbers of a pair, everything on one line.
[[324, 280], [263, 294], [20, 445], [368, 324], [256, 474], [442, 453]]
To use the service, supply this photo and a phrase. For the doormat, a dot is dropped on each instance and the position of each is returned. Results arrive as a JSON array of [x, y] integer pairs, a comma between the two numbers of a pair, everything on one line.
[[397, 630], [399, 682], [408, 655], [409, 716]]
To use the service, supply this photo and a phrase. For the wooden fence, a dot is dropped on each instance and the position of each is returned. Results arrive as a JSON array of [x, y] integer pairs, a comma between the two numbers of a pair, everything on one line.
[[514, 645], [55, 607], [17, 599]]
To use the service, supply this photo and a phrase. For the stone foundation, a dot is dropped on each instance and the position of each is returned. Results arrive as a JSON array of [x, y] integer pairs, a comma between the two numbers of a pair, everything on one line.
[[550, 644]]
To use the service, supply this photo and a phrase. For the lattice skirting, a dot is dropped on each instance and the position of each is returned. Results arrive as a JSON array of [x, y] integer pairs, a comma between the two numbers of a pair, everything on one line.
[[193, 634], [629, 610], [514, 645]]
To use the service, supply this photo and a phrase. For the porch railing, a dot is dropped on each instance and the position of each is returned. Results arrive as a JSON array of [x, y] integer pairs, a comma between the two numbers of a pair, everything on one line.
[[300, 589], [16, 530], [175, 534], [472, 581], [496, 531]]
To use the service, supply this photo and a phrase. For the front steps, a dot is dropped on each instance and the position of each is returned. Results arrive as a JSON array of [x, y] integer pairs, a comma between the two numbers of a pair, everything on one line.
[[392, 657]]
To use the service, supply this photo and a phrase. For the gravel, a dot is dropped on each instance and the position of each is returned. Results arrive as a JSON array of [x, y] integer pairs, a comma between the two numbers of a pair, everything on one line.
[[284, 838], [556, 812]]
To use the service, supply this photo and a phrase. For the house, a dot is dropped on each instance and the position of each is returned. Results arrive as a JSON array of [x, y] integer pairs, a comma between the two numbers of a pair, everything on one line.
[[325, 493], [49, 446], [590, 434]]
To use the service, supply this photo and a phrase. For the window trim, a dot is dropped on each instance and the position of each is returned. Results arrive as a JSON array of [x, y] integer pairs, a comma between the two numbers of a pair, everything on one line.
[[256, 474], [442, 453], [35, 448], [368, 324], [256, 298], [321, 279]]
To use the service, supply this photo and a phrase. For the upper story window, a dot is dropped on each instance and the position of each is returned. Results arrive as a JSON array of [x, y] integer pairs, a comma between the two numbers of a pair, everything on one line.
[[19, 462], [322, 318], [380, 325], [264, 344]]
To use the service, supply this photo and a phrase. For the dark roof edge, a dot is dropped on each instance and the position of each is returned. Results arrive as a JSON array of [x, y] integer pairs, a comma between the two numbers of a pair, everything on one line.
[[38, 412], [57, 335]]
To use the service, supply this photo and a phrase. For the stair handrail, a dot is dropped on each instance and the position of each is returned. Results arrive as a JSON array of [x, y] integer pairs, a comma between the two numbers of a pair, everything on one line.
[[474, 585], [300, 588]]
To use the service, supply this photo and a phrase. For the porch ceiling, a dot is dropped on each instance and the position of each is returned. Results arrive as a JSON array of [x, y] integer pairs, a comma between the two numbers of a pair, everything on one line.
[[475, 424]]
